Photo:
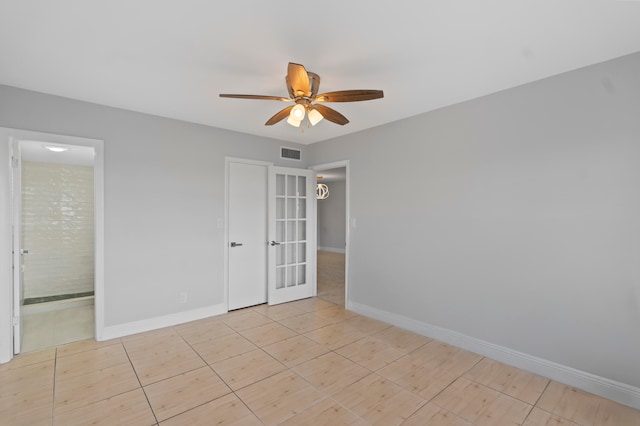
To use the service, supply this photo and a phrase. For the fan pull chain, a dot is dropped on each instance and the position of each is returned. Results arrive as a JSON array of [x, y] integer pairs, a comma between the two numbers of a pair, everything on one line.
[[302, 125]]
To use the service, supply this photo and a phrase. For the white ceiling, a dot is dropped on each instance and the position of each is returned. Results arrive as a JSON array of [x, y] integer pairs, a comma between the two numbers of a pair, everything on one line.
[[75, 155], [173, 58]]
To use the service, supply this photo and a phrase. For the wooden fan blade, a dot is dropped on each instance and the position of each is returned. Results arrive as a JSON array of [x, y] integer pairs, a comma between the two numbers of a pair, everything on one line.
[[279, 116], [260, 97], [330, 114], [350, 96], [298, 79], [315, 83], [289, 88]]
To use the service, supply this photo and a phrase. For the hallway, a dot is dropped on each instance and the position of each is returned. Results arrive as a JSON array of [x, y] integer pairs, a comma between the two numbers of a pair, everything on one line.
[[331, 277]]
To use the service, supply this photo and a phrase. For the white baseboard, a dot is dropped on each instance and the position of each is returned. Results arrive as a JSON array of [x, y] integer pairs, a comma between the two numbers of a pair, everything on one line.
[[120, 330], [610, 389], [332, 249]]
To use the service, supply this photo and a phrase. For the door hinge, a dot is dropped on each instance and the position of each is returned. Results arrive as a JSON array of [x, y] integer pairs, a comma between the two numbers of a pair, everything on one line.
[[14, 162], [15, 321]]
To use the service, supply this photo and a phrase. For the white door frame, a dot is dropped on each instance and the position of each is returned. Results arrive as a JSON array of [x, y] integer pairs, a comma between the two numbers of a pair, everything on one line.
[[227, 162], [16, 135], [16, 246], [335, 165]]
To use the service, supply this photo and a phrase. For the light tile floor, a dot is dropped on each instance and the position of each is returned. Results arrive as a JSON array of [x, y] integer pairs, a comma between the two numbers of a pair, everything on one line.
[[43, 330], [307, 362], [331, 277]]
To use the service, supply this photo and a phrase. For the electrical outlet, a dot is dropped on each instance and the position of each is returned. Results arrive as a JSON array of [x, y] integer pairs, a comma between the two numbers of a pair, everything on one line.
[[183, 297]]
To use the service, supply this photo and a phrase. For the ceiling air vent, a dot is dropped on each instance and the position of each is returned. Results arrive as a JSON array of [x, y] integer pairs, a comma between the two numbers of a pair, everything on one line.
[[291, 154]]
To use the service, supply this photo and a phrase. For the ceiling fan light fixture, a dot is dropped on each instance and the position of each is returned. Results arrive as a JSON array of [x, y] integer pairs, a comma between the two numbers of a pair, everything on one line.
[[297, 112], [296, 115], [293, 121], [314, 117]]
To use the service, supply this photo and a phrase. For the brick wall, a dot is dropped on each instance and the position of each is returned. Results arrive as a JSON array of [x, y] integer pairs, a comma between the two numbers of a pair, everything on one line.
[[57, 229]]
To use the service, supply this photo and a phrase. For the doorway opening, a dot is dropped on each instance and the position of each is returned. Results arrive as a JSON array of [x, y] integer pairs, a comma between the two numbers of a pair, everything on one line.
[[57, 244], [333, 232]]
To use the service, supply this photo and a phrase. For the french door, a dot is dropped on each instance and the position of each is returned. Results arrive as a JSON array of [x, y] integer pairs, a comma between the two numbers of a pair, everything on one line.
[[292, 251]]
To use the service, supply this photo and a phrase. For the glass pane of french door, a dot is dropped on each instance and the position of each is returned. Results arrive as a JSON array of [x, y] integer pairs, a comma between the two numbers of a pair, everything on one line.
[[290, 276]]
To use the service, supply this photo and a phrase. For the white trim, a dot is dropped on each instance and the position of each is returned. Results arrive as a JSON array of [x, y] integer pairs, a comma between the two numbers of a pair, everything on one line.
[[114, 331], [16, 220], [328, 166], [246, 161], [332, 249], [225, 273], [99, 291], [347, 231], [610, 389]]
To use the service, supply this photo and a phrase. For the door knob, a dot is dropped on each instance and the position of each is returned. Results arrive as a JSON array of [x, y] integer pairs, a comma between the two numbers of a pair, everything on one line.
[[273, 243], [234, 244]]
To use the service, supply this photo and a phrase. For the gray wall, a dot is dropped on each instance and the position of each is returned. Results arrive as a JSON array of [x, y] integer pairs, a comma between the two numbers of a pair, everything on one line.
[[164, 191], [513, 218], [332, 217]]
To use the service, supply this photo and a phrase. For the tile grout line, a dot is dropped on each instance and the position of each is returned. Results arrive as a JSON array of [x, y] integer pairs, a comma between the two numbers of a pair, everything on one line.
[[140, 383], [542, 393], [159, 380], [290, 369], [535, 405], [53, 394], [334, 351], [452, 382], [325, 394], [80, 375], [218, 376], [232, 391], [532, 406], [58, 356], [506, 394]]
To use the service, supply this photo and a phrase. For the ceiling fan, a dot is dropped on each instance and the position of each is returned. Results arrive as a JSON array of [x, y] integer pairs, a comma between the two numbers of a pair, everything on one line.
[[303, 92]]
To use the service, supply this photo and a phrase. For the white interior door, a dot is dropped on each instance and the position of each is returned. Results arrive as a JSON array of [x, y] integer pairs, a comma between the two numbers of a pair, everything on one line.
[[247, 227], [18, 250], [292, 229]]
